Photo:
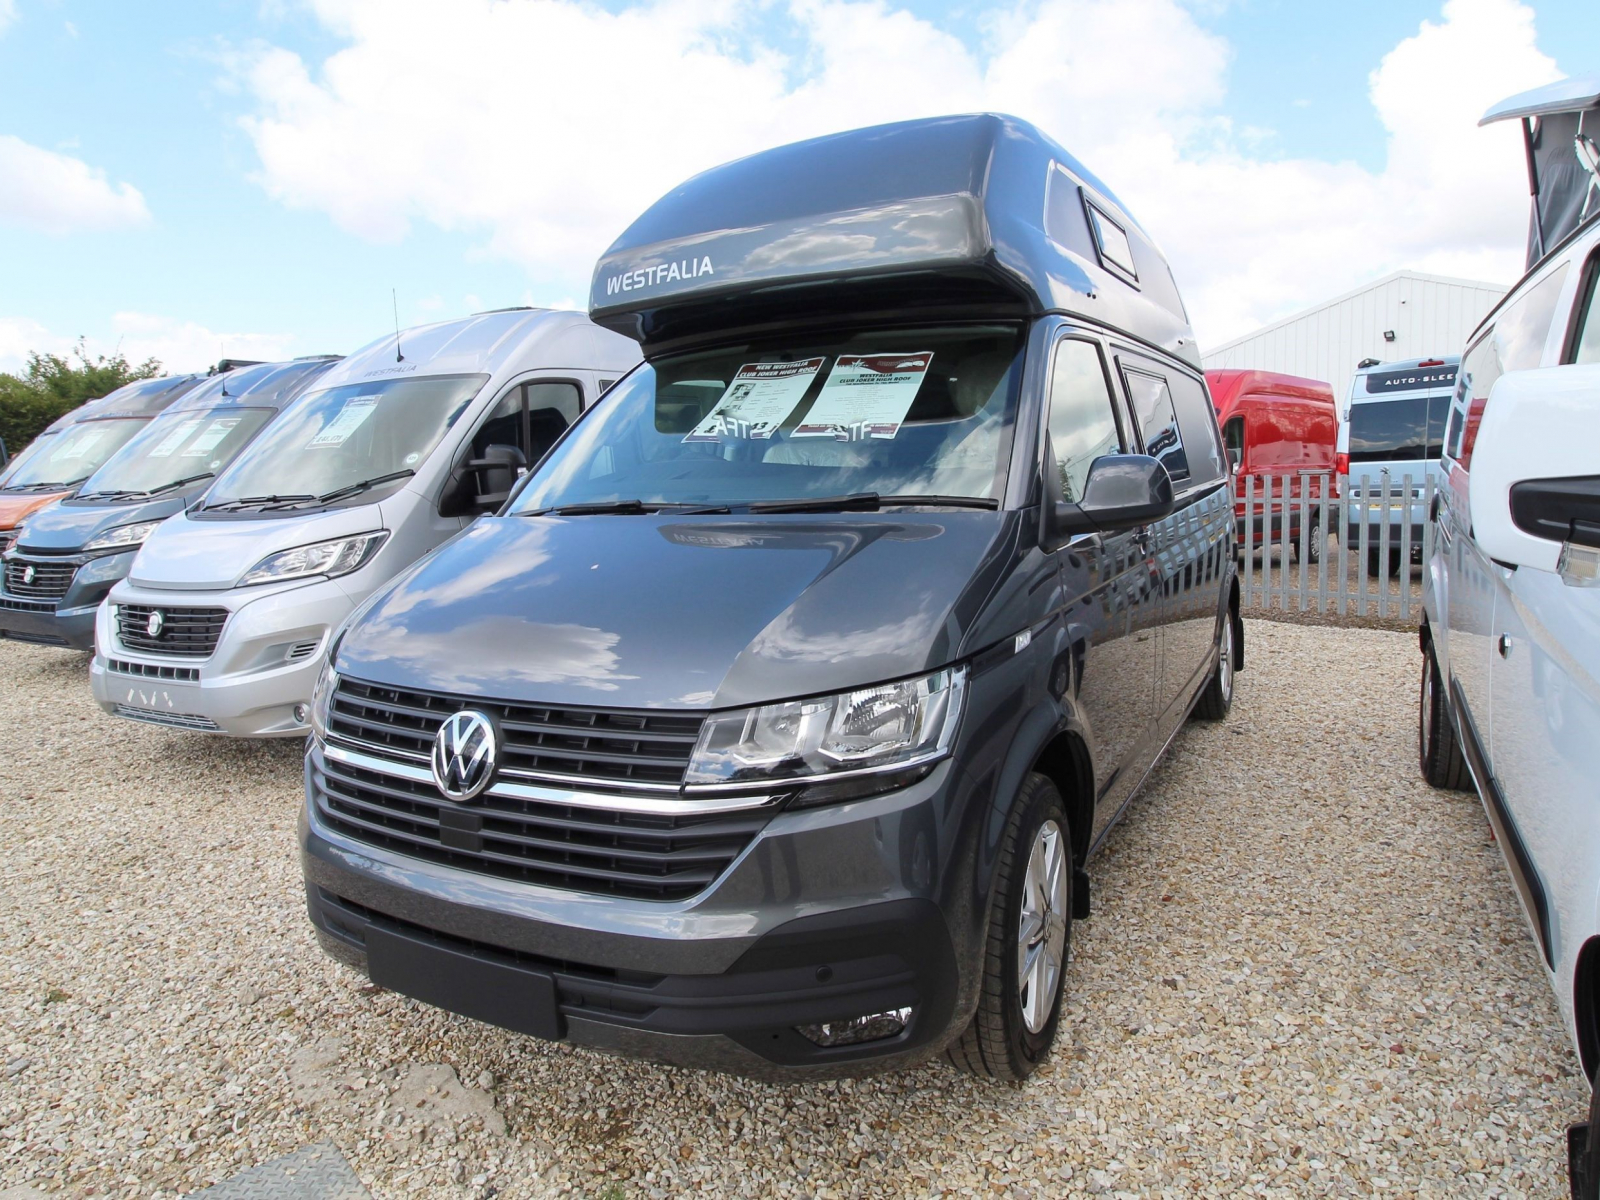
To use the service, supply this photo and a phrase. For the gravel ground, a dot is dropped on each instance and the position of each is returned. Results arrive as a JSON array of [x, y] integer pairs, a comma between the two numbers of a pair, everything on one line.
[[1306, 975]]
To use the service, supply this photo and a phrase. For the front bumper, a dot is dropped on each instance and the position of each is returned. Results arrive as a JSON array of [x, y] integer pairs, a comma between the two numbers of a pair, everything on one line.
[[829, 914], [70, 619], [262, 670]]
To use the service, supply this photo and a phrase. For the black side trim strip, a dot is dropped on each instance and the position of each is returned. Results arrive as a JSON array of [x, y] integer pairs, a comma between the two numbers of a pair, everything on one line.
[[1518, 862]]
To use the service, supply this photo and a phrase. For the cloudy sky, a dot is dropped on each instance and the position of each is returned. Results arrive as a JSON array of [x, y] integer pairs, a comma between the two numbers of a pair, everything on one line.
[[253, 177]]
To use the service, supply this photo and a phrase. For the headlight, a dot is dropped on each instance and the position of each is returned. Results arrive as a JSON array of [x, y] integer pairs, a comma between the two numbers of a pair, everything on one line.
[[322, 696], [887, 727], [122, 537], [338, 557]]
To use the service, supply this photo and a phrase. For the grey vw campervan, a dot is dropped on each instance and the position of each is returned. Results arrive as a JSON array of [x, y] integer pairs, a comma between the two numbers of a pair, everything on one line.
[[772, 722]]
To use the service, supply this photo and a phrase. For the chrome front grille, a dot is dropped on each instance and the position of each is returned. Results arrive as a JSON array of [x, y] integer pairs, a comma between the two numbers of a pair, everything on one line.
[[38, 578], [184, 632], [587, 800], [623, 748], [585, 847]]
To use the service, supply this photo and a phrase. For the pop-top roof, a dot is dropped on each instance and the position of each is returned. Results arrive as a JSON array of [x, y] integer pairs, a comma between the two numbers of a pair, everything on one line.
[[1561, 142], [969, 215]]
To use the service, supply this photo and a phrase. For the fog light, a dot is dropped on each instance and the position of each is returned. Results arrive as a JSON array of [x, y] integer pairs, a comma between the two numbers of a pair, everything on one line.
[[870, 1028], [301, 712]]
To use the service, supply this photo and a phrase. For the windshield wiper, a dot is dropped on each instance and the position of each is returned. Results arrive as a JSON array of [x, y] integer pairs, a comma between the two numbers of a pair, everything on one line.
[[868, 502], [351, 489], [623, 508], [251, 502], [125, 493]]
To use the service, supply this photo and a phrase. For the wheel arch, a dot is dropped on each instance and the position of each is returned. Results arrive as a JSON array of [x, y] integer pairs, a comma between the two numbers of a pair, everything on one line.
[[1065, 761]]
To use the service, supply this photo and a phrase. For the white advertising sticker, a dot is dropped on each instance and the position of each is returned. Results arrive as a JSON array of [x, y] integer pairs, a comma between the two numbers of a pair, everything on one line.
[[866, 396], [757, 401], [349, 419], [165, 447], [207, 441]]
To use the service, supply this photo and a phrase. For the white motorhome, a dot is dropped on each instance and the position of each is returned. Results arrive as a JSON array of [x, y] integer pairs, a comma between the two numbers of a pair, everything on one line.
[[229, 608]]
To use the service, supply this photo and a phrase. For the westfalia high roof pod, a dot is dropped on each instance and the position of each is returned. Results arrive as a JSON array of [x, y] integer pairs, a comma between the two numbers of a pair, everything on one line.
[[980, 214]]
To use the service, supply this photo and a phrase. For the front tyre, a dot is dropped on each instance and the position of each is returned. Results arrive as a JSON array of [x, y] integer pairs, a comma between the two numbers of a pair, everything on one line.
[[1027, 945]]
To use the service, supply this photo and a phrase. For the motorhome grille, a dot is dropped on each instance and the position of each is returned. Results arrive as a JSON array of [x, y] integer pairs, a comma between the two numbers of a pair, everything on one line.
[[562, 744], [15, 605], [185, 632], [154, 716], [39, 579], [639, 855], [154, 671]]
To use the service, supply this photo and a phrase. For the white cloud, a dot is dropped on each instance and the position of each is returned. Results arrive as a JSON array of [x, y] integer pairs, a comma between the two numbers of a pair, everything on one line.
[[542, 129], [8, 14], [178, 345], [56, 193]]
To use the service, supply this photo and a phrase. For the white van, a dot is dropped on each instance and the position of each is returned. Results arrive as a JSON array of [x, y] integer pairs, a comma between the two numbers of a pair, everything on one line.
[[223, 621]]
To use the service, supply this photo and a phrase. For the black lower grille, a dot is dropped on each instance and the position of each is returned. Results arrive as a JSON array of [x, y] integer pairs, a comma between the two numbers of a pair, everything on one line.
[[603, 851], [154, 671], [39, 578], [606, 745], [186, 632]]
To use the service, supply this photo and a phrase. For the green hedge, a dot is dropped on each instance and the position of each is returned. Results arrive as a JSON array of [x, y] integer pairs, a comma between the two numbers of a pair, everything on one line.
[[51, 385]]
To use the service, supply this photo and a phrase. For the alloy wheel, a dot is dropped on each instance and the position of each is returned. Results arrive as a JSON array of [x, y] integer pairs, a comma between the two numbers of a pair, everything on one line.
[[1042, 926]]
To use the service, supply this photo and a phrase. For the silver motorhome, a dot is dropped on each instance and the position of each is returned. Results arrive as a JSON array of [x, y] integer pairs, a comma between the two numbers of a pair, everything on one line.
[[223, 621]]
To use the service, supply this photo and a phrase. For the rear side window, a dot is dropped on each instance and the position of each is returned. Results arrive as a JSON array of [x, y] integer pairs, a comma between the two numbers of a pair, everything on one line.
[[1083, 422], [1197, 419], [1523, 325], [1151, 400]]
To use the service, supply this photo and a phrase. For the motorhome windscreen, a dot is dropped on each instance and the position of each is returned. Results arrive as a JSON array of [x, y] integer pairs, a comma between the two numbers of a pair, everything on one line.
[[925, 412], [1399, 430], [75, 453], [329, 443], [181, 447]]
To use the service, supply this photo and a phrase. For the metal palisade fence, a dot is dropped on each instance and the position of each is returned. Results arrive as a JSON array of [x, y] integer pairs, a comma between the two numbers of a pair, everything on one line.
[[1333, 545]]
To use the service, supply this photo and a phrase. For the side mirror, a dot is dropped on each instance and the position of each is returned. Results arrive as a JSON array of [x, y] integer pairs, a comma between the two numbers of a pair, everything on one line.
[[497, 473], [1121, 492], [1235, 459], [1534, 484]]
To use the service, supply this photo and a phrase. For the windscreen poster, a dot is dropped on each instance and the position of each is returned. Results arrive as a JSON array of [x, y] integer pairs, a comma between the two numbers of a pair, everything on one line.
[[757, 401], [866, 396]]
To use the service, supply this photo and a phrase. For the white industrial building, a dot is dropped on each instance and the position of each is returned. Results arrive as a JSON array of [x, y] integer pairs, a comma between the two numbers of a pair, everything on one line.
[[1404, 315]]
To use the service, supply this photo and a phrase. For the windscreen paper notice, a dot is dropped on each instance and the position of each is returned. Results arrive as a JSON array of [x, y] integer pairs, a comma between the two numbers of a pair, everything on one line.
[[866, 396], [348, 420], [757, 401], [208, 441], [165, 447]]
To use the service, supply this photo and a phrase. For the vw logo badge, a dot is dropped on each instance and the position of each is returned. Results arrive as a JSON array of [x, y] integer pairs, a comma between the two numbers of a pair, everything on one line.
[[27, 573], [464, 753], [155, 624]]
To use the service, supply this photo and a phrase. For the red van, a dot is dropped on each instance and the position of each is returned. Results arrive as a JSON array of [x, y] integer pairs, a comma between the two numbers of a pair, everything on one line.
[[1280, 427]]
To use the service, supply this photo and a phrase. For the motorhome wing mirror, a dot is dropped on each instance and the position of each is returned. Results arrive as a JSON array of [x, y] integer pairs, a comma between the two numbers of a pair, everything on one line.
[[1534, 488], [1235, 458], [1121, 492], [496, 474]]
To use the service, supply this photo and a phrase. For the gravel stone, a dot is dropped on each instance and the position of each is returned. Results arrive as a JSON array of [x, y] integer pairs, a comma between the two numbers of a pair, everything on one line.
[[1306, 975]]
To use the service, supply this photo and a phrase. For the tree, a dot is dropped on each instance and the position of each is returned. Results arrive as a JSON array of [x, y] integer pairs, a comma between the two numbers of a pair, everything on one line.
[[51, 385]]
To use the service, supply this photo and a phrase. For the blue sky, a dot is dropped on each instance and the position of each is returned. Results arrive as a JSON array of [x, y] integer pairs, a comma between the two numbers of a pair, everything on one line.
[[189, 179]]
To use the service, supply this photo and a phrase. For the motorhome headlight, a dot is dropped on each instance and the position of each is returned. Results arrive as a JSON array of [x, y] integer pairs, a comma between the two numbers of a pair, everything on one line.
[[322, 698], [121, 537], [882, 728], [338, 557]]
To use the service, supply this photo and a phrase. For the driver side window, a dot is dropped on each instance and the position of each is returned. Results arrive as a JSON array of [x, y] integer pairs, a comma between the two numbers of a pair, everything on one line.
[[1083, 419]]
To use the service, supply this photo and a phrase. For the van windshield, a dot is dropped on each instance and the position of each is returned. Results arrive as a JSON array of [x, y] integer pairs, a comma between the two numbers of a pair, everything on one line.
[[74, 454], [174, 450], [1403, 429], [920, 412], [327, 445]]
